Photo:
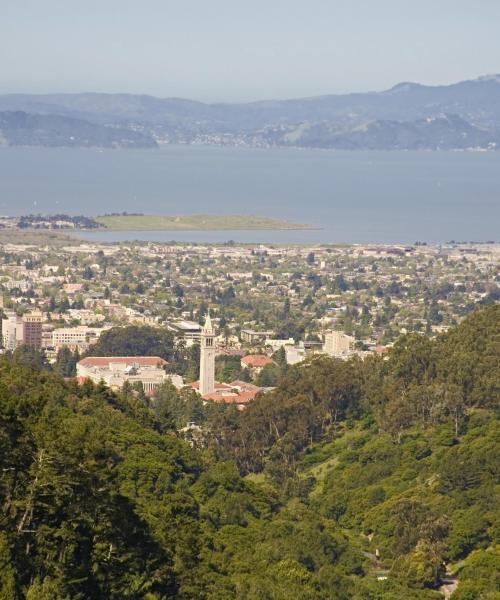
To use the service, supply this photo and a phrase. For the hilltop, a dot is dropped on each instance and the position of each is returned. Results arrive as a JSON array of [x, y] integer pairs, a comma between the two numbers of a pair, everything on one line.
[[18, 128], [464, 115]]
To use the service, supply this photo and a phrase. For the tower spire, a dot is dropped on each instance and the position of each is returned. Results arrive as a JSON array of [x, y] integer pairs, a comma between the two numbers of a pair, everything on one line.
[[208, 321]]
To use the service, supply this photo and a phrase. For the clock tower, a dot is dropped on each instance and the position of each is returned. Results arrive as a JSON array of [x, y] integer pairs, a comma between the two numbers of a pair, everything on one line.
[[207, 358]]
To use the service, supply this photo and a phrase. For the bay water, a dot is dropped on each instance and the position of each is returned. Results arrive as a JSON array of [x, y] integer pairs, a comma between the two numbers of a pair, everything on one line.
[[380, 197]]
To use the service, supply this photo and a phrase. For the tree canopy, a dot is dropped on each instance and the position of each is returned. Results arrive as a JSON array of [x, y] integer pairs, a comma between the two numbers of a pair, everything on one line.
[[351, 480]]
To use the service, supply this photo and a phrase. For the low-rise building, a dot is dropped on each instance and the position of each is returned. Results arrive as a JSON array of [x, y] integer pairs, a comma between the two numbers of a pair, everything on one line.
[[295, 354], [277, 344], [255, 362], [251, 337]]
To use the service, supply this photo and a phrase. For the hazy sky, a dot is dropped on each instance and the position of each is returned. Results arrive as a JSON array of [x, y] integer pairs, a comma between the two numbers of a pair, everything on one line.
[[234, 50]]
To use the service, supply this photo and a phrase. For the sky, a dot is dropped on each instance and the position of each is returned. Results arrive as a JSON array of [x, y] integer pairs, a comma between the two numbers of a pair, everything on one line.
[[241, 50]]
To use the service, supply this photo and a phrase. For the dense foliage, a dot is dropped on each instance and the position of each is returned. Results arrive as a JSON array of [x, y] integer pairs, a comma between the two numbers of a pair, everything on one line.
[[134, 340], [57, 221], [352, 480]]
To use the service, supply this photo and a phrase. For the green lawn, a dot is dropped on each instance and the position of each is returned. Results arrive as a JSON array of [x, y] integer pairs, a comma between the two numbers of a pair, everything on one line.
[[193, 222]]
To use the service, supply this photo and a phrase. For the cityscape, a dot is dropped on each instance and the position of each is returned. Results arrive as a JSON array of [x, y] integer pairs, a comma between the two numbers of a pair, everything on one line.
[[250, 300], [268, 304]]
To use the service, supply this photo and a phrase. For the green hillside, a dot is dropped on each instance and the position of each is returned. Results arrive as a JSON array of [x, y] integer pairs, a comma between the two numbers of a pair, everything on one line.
[[352, 480]]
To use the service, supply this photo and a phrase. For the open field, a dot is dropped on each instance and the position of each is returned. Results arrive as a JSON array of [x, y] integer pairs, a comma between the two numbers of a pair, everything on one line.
[[36, 237], [193, 222]]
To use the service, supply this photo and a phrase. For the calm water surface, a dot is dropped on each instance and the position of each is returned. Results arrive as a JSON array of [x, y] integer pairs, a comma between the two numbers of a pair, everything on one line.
[[351, 196]]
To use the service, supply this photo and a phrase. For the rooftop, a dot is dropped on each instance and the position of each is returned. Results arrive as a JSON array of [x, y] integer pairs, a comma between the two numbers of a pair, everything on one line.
[[104, 361]]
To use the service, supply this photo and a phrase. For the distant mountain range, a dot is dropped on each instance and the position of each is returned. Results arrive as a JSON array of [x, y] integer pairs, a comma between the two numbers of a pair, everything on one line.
[[18, 128], [460, 116]]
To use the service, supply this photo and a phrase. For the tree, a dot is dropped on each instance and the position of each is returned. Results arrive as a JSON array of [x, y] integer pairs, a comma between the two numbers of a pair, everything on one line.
[[178, 290], [7, 571], [286, 308], [66, 362], [134, 340], [193, 363], [87, 273], [268, 376]]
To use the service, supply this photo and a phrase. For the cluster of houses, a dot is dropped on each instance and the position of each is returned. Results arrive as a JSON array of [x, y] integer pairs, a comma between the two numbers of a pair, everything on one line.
[[349, 297]]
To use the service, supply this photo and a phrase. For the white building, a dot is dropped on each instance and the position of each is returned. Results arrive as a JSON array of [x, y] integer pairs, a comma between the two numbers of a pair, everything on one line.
[[338, 344], [207, 358], [277, 344], [295, 354], [189, 331], [12, 331]]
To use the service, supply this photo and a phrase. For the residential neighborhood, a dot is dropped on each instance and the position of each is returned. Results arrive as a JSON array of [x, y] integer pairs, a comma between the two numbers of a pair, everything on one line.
[[270, 305]]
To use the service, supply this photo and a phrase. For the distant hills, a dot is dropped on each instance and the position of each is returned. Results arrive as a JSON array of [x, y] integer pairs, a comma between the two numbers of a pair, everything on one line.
[[464, 115], [18, 128]]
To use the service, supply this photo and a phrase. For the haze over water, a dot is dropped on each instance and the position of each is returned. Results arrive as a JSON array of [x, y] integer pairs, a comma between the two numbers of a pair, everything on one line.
[[352, 196]]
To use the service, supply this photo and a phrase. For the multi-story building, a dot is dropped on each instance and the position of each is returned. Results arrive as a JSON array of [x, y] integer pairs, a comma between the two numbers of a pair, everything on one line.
[[32, 329], [11, 330], [338, 344], [72, 337], [189, 331]]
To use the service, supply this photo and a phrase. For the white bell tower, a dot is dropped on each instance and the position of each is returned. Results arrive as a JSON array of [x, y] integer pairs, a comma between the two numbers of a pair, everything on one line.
[[207, 358]]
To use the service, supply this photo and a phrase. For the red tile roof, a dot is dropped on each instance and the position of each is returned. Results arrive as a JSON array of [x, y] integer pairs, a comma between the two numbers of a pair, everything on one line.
[[256, 360], [226, 393], [104, 361], [218, 386], [231, 398], [244, 386]]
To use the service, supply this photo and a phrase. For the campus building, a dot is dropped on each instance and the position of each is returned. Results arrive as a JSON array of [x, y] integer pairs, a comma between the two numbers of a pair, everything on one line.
[[114, 371]]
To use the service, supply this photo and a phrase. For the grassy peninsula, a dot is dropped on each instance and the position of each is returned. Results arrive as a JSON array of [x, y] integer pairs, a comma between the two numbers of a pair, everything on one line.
[[193, 222]]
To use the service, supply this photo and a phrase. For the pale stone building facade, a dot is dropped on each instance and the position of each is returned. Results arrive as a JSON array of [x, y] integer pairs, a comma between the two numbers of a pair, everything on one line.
[[338, 344]]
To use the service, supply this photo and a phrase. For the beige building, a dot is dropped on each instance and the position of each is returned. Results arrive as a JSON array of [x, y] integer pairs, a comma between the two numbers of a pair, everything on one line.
[[116, 370], [76, 338], [69, 336], [295, 354], [251, 337], [338, 344]]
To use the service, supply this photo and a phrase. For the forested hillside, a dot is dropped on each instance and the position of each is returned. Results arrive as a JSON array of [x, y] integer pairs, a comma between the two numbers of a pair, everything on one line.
[[352, 480]]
